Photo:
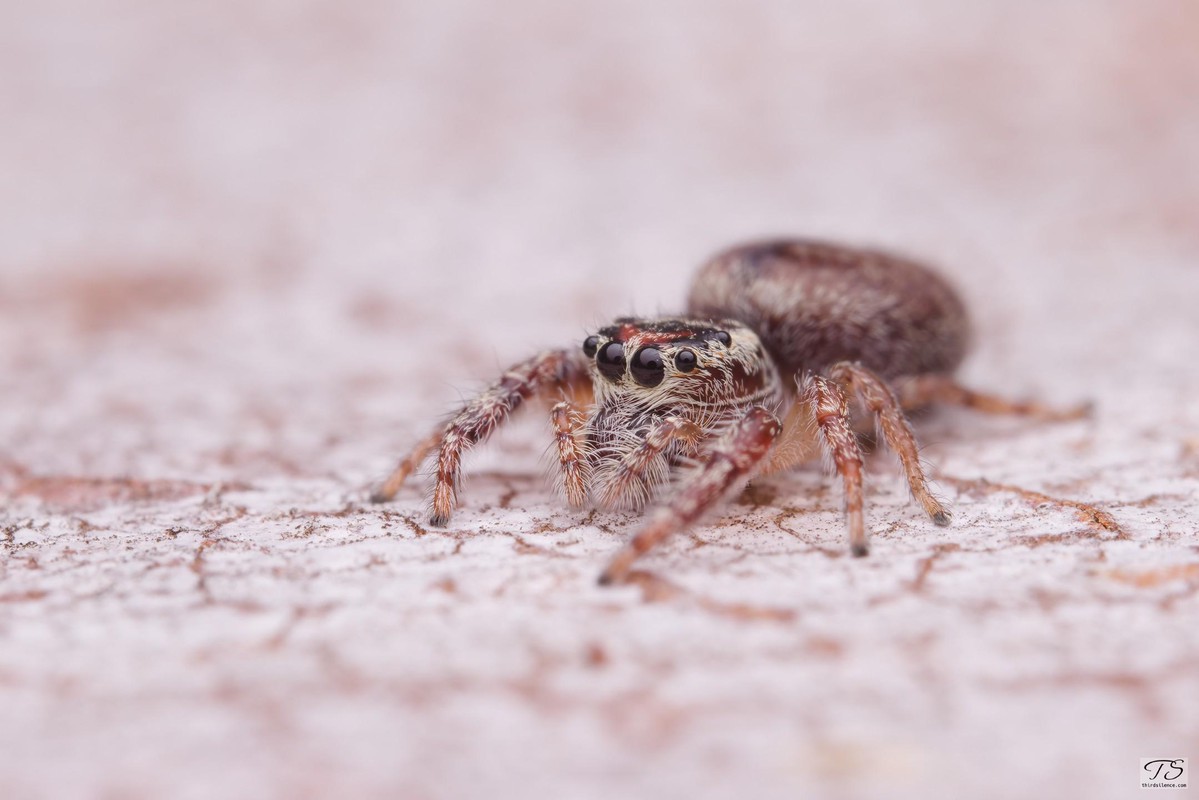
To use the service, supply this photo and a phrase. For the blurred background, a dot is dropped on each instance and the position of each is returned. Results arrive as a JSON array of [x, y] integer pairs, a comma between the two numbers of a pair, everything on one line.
[[405, 149], [272, 240], [359, 172]]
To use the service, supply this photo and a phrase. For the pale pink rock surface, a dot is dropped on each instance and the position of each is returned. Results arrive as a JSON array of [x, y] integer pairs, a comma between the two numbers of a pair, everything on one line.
[[251, 251]]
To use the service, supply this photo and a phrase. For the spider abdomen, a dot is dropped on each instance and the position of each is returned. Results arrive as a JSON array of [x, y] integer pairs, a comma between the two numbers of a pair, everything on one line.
[[815, 304]]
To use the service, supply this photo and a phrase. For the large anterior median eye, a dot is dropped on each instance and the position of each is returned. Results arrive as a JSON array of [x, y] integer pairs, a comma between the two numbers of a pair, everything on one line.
[[610, 360], [684, 360], [647, 366]]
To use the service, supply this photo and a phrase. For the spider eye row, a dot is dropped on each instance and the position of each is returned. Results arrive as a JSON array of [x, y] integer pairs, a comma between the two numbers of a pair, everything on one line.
[[647, 365]]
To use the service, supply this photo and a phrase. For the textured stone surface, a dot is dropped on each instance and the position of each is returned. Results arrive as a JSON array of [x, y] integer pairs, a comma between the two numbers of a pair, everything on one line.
[[251, 251]]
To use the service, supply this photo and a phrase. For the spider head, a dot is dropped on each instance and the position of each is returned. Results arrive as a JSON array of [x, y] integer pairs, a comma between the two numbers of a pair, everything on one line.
[[674, 360]]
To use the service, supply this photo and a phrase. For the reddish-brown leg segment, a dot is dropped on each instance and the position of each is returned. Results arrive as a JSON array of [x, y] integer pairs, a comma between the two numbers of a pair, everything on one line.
[[631, 471], [798, 442], [836, 434], [896, 431], [922, 390], [554, 371], [724, 471], [568, 422], [408, 464]]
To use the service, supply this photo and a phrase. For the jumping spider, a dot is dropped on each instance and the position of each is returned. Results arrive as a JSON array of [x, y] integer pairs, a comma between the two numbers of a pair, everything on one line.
[[779, 336]]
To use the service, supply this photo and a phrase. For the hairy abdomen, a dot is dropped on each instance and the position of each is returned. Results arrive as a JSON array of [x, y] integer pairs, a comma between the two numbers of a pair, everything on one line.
[[814, 304]]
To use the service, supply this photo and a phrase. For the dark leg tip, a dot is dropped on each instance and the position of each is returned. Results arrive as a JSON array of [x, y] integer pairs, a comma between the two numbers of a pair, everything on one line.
[[860, 550], [942, 518], [1083, 410], [438, 520], [378, 497], [605, 579]]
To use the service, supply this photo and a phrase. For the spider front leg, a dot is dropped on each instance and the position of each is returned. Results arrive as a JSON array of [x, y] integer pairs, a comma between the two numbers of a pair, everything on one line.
[[568, 423], [546, 374], [896, 431], [831, 411], [724, 471]]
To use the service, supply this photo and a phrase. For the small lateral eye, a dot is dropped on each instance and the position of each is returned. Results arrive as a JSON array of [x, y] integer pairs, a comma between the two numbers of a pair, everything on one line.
[[684, 360], [610, 360], [724, 338], [647, 366], [590, 345]]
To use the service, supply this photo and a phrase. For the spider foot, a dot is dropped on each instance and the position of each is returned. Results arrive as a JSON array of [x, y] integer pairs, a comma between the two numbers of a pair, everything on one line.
[[380, 496], [618, 568]]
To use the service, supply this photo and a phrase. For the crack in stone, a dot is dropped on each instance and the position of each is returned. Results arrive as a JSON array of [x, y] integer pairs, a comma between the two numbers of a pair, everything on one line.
[[656, 589], [924, 566]]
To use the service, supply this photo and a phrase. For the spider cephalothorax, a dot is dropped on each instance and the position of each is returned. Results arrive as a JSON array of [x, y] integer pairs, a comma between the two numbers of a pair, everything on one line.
[[780, 337], [662, 389]]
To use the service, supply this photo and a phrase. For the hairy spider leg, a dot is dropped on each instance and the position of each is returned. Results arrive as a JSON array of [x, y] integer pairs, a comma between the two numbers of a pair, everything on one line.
[[724, 470], [568, 421], [542, 376], [924, 390], [408, 464], [881, 401], [631, 470], [797, 443], [831, 410]]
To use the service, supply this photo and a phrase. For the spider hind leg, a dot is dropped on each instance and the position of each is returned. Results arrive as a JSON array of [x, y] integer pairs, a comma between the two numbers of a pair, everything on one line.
[[881, 401], [831, 411]]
